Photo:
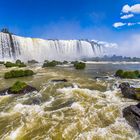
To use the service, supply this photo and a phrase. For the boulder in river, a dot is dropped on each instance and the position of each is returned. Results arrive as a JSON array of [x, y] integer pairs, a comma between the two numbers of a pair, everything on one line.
[[132, 115], [59, 80], [18, 88], [129, 91]]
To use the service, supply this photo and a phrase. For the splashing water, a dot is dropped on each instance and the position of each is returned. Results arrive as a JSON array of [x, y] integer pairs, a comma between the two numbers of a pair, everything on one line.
[[89, 110], [40, 50]]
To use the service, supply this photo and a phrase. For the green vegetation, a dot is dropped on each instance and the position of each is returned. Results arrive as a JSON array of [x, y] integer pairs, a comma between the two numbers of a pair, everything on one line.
[[1, 62], [65, 62], [51, 63], [119, 73], [74, 62], [127, 74], [18, 73], [18, 86], [18, 63], [79, 65], [32, 61]]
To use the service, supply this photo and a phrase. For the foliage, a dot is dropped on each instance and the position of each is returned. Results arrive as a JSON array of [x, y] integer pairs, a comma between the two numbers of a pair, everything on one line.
[[18, 73], [74, 62], [1, 62], [65, 62], [119, 73], [80, 65], [32, 61], [18, 86], [10, 64], [51, 63], [18, 63], [127, 74]]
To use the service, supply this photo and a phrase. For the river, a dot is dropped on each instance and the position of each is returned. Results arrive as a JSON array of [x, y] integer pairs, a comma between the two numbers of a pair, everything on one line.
[[87, 107]]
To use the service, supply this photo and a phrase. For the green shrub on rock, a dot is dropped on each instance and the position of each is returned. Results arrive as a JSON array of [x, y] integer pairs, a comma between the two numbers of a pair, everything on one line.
[[51, 63], [80, 65], [1, 62], [10, 64], [17, 87], [28, 72], [127, 74], [74, 62], [32, 61], [65, 62], [18, 73], [18, 63], [119, 73], [137, 73]]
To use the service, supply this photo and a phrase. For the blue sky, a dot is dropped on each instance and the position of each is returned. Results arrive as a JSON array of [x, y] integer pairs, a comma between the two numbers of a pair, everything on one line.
[[72, 19]]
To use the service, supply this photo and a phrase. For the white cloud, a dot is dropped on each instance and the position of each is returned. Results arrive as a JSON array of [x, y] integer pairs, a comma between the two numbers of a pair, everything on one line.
[[132, 9], [131, 24], [118, 24], [126, 9], [127, 16]]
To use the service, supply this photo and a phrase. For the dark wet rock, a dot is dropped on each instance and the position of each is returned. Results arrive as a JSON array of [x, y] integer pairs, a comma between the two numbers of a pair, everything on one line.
[[127, 90], [101, 77], [132, 115], [59, 80], [25, 90]]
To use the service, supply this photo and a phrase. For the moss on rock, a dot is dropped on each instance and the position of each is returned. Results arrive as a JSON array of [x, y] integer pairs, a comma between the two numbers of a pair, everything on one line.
[[80, 65], [18, 73], [18, 63], [17, 87], [127, 74]]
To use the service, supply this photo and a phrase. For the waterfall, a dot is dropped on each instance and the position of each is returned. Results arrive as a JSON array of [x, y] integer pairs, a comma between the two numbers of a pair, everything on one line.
[[16, 47]]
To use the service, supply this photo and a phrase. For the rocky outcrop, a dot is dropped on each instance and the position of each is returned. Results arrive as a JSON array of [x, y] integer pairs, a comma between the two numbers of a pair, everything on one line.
[[127, 91], [25, 90], [132, 115], [132, 112], [130, 92], [59, 80]]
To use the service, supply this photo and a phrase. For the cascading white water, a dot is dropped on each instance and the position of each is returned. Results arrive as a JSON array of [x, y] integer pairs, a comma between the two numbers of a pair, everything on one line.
[[40, 50]]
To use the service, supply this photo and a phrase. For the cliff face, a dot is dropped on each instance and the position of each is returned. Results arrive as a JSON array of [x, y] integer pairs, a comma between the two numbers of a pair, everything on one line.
[[15, 47]]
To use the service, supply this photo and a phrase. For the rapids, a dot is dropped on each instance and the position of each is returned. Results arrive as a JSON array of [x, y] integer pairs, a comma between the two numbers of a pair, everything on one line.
[[84, 108]]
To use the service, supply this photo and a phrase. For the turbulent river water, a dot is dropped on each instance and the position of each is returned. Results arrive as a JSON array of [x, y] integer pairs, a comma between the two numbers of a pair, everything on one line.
[[84, 108]]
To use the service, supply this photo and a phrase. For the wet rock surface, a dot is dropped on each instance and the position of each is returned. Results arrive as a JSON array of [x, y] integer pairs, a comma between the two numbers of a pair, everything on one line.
[[132, 112], [59, 80], [132, 115], [127, 90]]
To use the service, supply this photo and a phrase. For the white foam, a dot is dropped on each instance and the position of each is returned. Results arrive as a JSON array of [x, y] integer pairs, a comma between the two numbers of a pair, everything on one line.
[[13, 135], [28, 109], [77, 106]]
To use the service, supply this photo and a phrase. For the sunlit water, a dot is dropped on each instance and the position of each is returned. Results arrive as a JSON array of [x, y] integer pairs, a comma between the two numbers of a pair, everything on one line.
[[84, 108]]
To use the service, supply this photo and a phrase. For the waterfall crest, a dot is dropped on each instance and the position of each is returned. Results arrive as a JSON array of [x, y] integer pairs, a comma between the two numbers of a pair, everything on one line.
[[16, 47]]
